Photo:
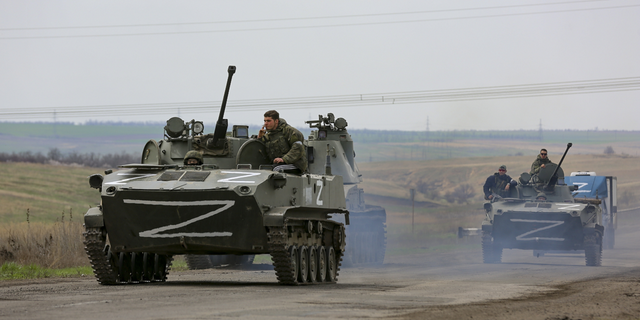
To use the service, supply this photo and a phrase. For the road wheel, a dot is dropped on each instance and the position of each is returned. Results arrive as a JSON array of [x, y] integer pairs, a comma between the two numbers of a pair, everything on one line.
[[332, 267], [313, 264], [322, 264], [491, 251], [593, 249], [303, 264]]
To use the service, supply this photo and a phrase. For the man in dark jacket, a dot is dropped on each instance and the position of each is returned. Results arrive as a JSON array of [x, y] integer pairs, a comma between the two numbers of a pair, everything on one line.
[[541, 160], [285, 144], [498, 184]]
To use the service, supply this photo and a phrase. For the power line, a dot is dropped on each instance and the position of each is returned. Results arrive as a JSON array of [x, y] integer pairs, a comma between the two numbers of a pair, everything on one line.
[[340, 101], [316, 26], [300, 19]]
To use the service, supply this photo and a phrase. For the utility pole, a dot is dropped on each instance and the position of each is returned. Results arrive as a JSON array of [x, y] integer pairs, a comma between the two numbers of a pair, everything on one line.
[[55, 132], [413, 196], [540, 131]]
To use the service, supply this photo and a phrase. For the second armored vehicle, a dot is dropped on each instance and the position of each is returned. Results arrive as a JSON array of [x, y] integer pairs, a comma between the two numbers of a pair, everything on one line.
[[542, 214], [367, 228]]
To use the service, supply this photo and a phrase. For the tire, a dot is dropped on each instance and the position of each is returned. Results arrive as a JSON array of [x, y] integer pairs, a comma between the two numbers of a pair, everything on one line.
[[491, 251], [609, 237], [197, 262], [593, 249]]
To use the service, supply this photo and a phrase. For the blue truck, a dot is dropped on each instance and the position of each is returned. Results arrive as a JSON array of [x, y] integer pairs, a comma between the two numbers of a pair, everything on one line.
[[592, 186]]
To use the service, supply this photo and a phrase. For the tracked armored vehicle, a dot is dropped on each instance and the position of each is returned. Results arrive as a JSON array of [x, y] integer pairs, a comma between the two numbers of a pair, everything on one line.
[[541, 214], [232, 203], [367, 228], [366, 231]]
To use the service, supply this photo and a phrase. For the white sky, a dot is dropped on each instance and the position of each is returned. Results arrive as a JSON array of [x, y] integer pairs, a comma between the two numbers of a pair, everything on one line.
[[373, 51]]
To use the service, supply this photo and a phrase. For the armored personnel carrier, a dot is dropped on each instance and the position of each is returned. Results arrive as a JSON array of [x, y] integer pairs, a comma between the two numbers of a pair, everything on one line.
[[229, 203], [542, 214], [367, 228]]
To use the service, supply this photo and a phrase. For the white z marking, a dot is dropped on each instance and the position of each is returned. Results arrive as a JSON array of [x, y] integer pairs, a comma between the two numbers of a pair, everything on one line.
[[580, 185], [552, 223], [567, 206], [243, 175], [318, 201], [135, 176], [154, 233]]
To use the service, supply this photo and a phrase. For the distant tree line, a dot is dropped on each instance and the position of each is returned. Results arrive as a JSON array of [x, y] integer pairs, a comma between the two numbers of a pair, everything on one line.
[[158, 124], [54, 156]]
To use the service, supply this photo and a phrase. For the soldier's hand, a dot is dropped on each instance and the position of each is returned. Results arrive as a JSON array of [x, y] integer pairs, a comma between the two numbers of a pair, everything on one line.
[[261, 133], [542, 165], [490, 197], [507, 187], [278, 160]]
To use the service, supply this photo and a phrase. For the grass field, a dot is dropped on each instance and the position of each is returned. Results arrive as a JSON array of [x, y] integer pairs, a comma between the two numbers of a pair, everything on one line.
[[58, 196], [371, 145], [45, 192]]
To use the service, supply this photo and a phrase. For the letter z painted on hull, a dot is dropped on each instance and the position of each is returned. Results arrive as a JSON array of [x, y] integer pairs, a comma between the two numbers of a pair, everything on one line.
[[155, 233]]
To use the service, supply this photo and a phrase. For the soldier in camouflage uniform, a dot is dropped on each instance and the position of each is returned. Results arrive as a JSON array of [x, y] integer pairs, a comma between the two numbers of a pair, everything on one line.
[[285, 144], [540, 162], [193, 158], [498, 184]]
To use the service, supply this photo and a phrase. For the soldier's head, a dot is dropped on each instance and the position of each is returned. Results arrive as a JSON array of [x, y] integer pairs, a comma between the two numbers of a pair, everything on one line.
[[271, 119], [502, 170], [193, 158], [543, 153]]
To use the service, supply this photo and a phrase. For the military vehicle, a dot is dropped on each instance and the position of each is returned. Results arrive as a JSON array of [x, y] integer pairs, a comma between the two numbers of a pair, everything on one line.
[[233, 203], [367, 228], [604, 188], [542, 214]]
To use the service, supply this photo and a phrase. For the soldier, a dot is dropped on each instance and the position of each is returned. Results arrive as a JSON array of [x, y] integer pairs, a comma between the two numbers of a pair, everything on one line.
[[284, 143], [498, 184], [540, 162], [193, 158]]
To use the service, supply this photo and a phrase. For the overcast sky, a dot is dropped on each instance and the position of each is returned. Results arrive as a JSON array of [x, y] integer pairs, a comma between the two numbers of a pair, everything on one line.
[[396, 65]]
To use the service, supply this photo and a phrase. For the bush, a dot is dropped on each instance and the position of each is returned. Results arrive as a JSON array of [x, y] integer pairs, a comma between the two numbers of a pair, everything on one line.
[[84, 159], [460, 194], [609, 150]]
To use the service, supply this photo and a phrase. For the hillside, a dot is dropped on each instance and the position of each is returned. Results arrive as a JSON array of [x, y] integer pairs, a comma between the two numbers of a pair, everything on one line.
[[370, 145], [394, 179], [46, 191]]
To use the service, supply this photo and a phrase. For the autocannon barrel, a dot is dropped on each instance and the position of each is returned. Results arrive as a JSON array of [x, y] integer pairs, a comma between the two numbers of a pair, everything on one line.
[[220, 131]]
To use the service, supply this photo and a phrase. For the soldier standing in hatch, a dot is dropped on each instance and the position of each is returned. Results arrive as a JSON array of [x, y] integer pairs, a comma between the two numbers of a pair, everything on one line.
[[498, 184], [284, 143], [193, 158], [540, 162]]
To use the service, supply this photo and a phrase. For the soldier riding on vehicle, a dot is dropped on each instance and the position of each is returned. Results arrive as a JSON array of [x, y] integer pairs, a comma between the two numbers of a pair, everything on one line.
[[498, 184], [284, 143]]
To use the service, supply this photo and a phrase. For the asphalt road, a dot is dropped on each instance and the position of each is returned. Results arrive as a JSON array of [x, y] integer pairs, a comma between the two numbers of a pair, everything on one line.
[[405, 286]]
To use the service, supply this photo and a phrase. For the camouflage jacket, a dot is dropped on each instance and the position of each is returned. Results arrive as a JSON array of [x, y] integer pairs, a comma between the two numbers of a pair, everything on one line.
[[535, 166], [496, 184], [286, 142]]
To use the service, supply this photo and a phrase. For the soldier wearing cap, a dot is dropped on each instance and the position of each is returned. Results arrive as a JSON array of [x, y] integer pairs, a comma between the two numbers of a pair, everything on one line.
[[498, 184]]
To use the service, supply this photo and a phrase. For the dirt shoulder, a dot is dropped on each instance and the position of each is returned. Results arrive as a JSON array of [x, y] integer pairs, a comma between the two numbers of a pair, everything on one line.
[[616, 297]]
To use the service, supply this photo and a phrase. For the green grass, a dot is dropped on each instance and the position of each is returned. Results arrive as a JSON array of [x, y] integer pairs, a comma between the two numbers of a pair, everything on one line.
[[46, 191], [14, 271]]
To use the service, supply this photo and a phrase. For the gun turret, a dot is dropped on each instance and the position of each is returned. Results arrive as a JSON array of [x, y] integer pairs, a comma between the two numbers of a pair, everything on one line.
[[220, 132], [553, 176]]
